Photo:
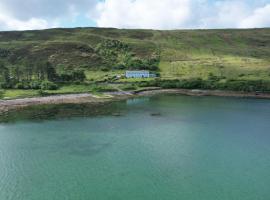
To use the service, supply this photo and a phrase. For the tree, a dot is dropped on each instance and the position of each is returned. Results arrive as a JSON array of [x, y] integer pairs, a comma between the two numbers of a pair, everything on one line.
[[50, 71], [6, 78], [28, 70], [38, 70], [16, 73], [79, 75]]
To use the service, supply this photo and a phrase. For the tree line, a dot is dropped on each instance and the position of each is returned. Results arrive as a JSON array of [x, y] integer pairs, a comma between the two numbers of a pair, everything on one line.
[[39, 75]]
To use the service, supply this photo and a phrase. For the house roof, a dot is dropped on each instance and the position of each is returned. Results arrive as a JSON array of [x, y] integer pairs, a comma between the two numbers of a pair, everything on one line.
[[138, 71]]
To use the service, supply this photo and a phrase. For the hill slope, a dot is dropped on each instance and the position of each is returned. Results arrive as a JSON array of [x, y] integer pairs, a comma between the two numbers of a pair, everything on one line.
[[180, 54]]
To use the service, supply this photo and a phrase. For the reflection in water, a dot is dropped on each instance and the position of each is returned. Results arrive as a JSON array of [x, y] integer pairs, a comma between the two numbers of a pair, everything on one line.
[[63, 111], [137, 100]]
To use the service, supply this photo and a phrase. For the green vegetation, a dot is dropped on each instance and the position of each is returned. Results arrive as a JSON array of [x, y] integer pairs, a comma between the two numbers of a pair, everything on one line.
[[198, 83], [15, 93], [59, 61]]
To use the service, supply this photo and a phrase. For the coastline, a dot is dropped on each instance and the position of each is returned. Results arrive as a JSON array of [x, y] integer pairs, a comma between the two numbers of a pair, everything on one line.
[[197, 92], [6, 105]]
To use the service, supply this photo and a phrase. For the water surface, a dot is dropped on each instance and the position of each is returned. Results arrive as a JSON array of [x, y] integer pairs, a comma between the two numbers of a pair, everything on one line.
[[165, 147]]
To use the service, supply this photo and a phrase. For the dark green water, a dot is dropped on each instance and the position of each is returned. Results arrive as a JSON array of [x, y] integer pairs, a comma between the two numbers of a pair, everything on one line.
[[162, 148]]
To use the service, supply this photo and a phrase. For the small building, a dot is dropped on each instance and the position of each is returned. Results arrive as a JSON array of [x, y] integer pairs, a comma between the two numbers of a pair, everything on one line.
[[138, 74]]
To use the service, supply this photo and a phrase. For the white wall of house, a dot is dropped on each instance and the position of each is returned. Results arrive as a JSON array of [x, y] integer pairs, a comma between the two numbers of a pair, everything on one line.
[[137, 74]]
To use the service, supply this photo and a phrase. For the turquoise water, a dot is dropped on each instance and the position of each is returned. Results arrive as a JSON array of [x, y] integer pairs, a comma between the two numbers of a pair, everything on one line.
[[160, 148]]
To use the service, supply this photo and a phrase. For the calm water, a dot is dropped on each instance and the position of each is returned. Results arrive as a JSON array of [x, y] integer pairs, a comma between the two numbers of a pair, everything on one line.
[[160, 148]]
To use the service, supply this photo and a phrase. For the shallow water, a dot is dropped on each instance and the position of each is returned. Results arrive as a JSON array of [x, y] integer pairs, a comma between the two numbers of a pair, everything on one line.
[[165, 147]]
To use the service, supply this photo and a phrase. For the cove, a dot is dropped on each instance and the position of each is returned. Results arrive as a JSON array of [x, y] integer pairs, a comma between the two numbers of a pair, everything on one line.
[[164, 147]]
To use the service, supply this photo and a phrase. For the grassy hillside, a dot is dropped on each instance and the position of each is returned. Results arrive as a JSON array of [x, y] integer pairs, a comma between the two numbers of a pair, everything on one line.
[[220, 55]]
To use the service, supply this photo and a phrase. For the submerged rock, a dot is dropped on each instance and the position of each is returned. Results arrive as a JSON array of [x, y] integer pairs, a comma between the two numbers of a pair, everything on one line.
[[117, 114], [155, 114]]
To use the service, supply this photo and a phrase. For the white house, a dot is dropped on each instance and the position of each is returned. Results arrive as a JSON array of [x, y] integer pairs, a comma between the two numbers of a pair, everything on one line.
[[137, 74]]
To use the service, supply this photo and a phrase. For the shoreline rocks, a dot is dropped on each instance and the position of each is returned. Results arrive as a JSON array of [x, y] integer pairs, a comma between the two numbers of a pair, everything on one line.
[[6, 105]]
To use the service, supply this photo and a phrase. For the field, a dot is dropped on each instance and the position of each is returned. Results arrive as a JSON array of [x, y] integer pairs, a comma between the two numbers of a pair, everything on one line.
[[227, 67]]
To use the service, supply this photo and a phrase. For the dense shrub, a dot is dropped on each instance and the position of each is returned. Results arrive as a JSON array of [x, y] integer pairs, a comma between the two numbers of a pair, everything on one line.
[[47, 85], [19, 86], [154, 83], [214, 78], [104, 88], [168, 84], [120, 66], [78, 75], [35, 85], [72, 76], [185, 84], [129, 87], [118, 55], [195, 83], [43, 93], [2, 94], [105, 69], [246, 86], [8, 85], [143, 64], [235, 85]]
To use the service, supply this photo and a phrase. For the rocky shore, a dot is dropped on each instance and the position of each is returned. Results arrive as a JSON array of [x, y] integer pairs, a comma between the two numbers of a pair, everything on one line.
[[6, 105]]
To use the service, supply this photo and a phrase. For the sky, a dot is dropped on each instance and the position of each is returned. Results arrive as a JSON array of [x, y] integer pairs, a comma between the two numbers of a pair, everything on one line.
[[140, 14]]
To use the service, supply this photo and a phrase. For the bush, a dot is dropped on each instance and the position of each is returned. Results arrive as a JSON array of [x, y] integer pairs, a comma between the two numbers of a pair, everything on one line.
[[23, 85], [76, 75], [184, 84], [6, 86], [169, 84], [195, 83], [65, 77], [154, 83], [212, 77], [47, 85], [19, 86], [2, 94], [246, 86], [104, 88], [105, 69], [129, 87], [35, 85], [43, 93]]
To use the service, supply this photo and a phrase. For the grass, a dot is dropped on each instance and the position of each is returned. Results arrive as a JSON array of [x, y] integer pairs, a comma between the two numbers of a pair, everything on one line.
[[67, 89], [229, 67], [76, 89], [15, 94], [71, 89]]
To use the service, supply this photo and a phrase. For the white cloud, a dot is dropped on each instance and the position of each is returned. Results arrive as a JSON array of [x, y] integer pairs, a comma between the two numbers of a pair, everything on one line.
[[166, 14], [40, 14], [8, 22], [155, 14], [259, 18], [175, 14], [223, 14], [25, 9], [13, 24], [235, 14]]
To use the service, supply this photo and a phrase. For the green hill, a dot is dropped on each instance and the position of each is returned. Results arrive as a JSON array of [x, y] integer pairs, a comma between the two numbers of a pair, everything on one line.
[[222, 56]]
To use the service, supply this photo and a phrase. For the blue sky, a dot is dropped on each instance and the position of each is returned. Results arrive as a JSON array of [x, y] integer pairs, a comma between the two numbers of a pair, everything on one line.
[[147, 14]]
